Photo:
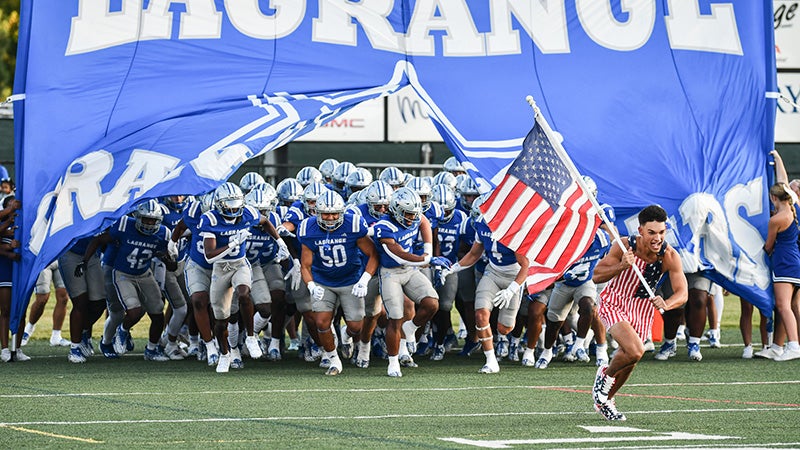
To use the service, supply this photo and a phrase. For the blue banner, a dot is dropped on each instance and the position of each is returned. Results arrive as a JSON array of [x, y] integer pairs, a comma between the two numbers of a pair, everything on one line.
[[660, 102]]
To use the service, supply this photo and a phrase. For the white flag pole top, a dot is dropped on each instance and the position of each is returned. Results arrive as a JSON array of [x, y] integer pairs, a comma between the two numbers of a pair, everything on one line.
[[579, 179]]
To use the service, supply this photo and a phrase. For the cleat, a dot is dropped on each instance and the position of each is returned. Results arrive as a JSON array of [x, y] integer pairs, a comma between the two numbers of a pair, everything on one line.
[[602, 359], [489, 368], [362, 363], [713, 341], [25, 337], [681, 334], [213, 359], [462, 333], [224, 363], [333, 371], [202, 355], [667, 351], [120, 340], [324, 363], [86, 345], [513, 352], [528, 359], [602, 386], [108, 351], [469, 348], [193, 350], [294, 344], [569, 357], [395, 373], [581, 355], [787, 355], [174, 352], [75, 356], [542, 363], [502, 348], [58, 342], [346, 350], [649, 346], [424, 348], [609, 411], [438, 353], [21, 357], [155, 355], [251, 343], [411, 346], [694, 352], [274, 355], [236, 359], [5, 355], [407, 361], [450, 341]]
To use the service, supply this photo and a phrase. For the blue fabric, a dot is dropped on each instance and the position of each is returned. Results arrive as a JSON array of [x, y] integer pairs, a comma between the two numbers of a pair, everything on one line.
[[180, 106]]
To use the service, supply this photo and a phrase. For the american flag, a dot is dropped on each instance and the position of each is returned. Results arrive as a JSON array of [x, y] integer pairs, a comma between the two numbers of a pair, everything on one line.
[[540, 210]]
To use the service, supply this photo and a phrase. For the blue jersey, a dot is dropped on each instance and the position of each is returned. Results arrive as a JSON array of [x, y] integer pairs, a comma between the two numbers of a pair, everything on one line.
[[262, 248], [171, 219], [135, 251], [434, 214], [451, 234], [80, 246], [388, 228], [581, 271], [191, 218], [337, 260], [294, 215], [498, 254], [213, 224]]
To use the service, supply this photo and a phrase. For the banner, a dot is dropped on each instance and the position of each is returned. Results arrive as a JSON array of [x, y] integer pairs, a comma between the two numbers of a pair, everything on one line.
[[660, 102]]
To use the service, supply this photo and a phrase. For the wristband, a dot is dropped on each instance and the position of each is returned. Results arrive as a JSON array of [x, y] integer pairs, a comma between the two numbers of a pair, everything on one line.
[[455, 268], [311, 286], [513, 286], [427, 248], [365, 277]]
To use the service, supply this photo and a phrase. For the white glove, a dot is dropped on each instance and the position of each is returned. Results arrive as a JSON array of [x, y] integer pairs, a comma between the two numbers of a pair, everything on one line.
[[282, 231], [503, 298], [283, 251], [294, 275], [242, 235], [172, 249], [360, 288], [317, 292], [233, 241]]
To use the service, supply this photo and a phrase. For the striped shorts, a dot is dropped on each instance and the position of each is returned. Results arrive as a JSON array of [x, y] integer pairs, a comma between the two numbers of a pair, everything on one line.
[[636, 311]]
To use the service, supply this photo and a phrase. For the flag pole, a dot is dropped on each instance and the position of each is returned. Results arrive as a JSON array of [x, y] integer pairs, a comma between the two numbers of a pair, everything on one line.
[[579, 179]]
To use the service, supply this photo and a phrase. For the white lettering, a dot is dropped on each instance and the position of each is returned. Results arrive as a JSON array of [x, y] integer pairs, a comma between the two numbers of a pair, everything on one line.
[[96, 28], [462, 37], [145, 170], [220, 164], [83, 181], [247, 17], [600, 24], [544, 21], [200, 21], [705, 217], [334, 24], [752, 266], [689, 30]]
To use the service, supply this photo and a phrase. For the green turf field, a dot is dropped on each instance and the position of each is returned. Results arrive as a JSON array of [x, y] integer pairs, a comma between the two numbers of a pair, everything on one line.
[[721, 402]]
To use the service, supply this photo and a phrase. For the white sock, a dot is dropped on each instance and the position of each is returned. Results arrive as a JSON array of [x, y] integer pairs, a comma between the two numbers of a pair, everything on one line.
[[29, 328], [410, 330], [152, 346], [792, 345], [491, 360], [274, 343], [403, 348], [56, 335], [259, 322], [394, 361], [694, 340], [547, 353], [578, 344], [233, 334], [363, 351]]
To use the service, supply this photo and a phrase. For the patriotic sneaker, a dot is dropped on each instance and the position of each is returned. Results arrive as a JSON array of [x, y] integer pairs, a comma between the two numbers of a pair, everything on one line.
[[469, 348], [694, 351], [155, 355], [274, 354], [108, 350], [602, 386], [542, 363], [251, 342], [21, 357], [609, 411], [438, 353], [223, 363], [490, 368], [667, 351], [58, 342], [174, 352], [501, 350], [25, 337], [407, 361], [75, 356], [581, 355], [649, 346], [236, 359]]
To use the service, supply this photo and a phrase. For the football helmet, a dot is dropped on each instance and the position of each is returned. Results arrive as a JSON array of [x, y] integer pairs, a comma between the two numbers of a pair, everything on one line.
[[423, 188], [326, 168], [206, 201], [330, 202], [308, 175], [445, 178], [270, 194], [468, 191], [340, 175], [591, 185], [446, 198], [262, 197], [289, 191], [357, 180], [393, 176], [452, 165], [249, 180], [378, 193], [475, 213], [405, 201], [148, 217], [229, 200], [175, 202], [310, 195]]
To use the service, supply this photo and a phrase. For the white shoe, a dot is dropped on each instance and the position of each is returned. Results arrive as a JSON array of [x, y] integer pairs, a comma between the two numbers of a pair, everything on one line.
[[174, 352], [785, 356], [59, 342], [224, 363], [649, 346], [769, 353], [251, 342], [5, 355], [747, 353], [236, 359], [20, 357], [490, 368], [335, 368], [394, 371]]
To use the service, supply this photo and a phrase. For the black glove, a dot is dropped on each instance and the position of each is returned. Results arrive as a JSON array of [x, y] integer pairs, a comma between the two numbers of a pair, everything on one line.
[[80, 269]]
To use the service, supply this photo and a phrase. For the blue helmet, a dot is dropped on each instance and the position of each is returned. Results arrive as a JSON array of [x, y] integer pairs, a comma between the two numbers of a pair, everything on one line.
[[308, 175], [289, 191], [249, 180], [405, 201], [330, 202], [148, 217]]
